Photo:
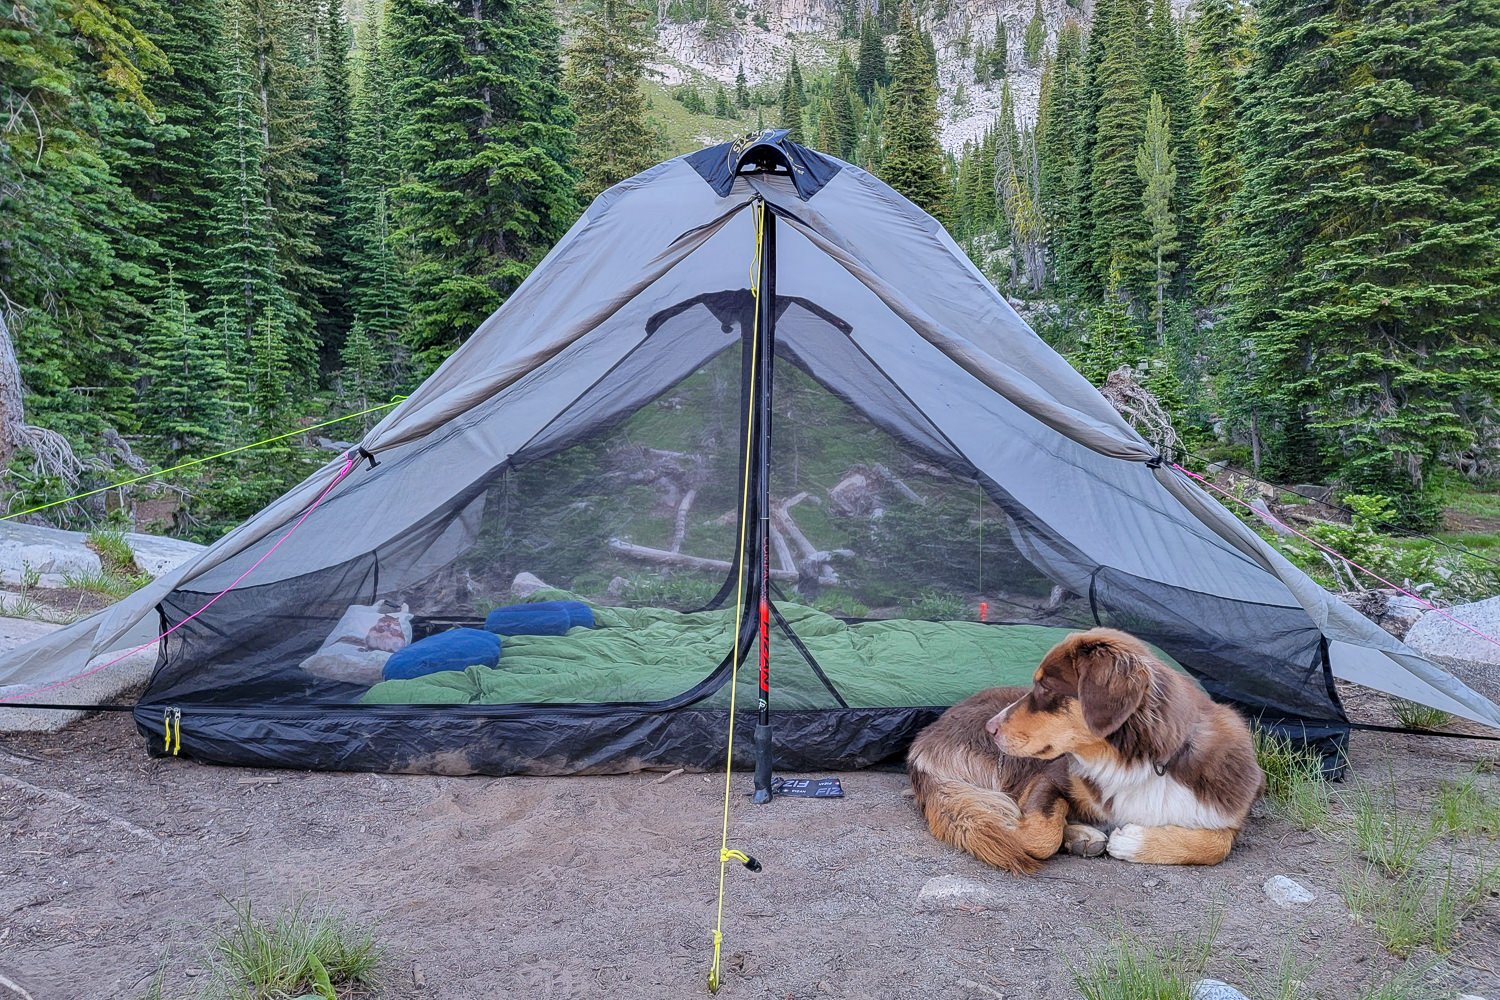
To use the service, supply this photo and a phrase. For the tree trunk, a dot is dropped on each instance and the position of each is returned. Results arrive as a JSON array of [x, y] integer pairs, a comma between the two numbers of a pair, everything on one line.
[[12, 410]]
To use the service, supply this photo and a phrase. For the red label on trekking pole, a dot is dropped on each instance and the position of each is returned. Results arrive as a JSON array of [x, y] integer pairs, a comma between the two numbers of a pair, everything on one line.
[[765, 645]]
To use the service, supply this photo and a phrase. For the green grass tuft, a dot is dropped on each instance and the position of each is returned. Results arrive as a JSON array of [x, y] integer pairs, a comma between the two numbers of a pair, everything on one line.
[[1463, 807], [107, 582], [1420, 908], [1389, 838], [1130, 969], [298, 953], [114, 551], [1294, 781], [1415, 716]]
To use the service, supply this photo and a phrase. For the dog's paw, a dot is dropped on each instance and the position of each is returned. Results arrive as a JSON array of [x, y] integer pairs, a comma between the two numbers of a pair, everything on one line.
[[1083, 841], [1126, 841]]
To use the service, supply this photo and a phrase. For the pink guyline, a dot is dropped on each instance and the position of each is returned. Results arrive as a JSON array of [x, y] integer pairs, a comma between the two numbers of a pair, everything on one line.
[[89, 673], [1351, 562]]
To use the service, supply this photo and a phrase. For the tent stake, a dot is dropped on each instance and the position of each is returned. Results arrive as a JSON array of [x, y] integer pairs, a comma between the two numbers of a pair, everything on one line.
[[766, 330]]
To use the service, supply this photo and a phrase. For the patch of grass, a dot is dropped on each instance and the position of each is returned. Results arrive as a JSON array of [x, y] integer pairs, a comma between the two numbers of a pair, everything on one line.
[[114, 551], [1420, 908], [298, 953], [1463, 807], [109, 583], [674, 590], [1415, 716], [23, 606], [1389, 838], [1410, 983], [840, 604], [936, 604], [1131, 969], [1294, 781]]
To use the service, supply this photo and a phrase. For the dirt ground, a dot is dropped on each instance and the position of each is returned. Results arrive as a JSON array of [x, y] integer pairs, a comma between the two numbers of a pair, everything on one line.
[[606, 886]]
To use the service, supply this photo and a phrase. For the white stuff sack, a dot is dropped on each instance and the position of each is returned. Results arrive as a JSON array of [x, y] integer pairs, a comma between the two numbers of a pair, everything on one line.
[[364, 638]]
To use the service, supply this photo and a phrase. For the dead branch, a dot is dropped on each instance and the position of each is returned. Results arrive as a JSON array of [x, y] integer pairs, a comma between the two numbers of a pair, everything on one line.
[[681, 560], [1140, 408], [51, 455], [680, 529]]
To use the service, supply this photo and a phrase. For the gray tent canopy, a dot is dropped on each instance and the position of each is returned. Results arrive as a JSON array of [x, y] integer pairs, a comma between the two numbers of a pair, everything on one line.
[[923, 452]]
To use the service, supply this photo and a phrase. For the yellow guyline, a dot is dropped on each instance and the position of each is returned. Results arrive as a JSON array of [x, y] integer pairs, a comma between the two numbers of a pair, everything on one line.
[[206, 458], [758, 210]]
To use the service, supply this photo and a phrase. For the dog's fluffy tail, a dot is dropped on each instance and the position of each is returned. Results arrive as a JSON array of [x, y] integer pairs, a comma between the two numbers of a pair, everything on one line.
[[981, 821]]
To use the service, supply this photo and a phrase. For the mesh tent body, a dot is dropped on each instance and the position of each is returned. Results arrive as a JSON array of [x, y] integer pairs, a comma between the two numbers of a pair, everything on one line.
[[927, 451]]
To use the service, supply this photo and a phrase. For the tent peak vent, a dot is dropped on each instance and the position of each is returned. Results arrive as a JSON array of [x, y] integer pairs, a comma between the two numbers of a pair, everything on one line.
[[768, 152]]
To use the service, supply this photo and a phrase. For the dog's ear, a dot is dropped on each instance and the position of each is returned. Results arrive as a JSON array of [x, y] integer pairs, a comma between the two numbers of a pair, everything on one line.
[[1112, 685]]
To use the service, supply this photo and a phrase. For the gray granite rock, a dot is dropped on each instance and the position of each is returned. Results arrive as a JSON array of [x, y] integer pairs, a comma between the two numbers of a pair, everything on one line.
[[949, 891], [54, 555], [1214, 989], [526, 584], [1467, 656], [1286, 892], [104, 686]]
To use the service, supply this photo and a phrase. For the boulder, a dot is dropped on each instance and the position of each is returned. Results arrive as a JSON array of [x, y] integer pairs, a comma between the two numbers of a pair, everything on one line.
[[53, 555], [95, 689], [526, 584], [1215, 989], [1467, 656]]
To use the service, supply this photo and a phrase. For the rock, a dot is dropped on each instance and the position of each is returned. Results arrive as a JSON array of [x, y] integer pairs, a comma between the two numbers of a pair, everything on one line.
[[1313, 492], [1214, 989], [54, 555], [1214, 468], [1468, 996], [159, 555], [1465, 655], [525, 584], [1286, 892], [954, 892]]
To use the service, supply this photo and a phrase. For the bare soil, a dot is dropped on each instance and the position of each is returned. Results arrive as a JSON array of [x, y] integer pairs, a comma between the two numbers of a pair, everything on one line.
[[112, 862]]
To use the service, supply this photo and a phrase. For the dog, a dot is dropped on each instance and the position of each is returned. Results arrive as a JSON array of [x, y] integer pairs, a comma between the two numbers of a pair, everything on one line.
[[1107, 736]]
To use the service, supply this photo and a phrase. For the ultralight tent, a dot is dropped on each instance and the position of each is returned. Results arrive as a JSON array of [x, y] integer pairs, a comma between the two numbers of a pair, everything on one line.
[[754, 357]]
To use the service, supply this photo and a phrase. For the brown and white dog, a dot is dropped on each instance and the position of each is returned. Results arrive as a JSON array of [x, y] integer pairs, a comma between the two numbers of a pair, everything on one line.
[[1107, 736]]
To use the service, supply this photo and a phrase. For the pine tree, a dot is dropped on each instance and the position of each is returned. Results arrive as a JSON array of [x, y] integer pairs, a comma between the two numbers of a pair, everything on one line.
[[378, 292], [996, 55], [1157, 170], [1113, 338], [873, 71], [913, 161], [982, 67], [1036, 35], [486, 144], [741, 89], [182, 406], [842, 101], [1369, 252], [243, 278], [1059, 130], [333, 117], [793, 101], [721, 104], [1119, 229], [606, 64], [1219, 56], [363, 372], [1165, 73], [271, 398]]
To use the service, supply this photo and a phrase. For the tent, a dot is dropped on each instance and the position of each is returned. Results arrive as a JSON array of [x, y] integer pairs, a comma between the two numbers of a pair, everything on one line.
[[752, 388]]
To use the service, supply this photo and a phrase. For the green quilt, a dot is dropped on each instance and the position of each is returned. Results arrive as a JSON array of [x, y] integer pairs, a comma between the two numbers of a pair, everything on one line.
[[651, 654]]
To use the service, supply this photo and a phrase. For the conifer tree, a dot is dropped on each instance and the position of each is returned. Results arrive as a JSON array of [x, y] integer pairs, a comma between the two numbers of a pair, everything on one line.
[[271, 396], [1157, 170], [1036, 35], [1119, 229], [1165, 73], [913, 159], [996, 55], [606, 63], [981, 65], [377, 291], [243, 278], [1219, 57], [331, 186], [873, 71], [721, 103], [1060, 130], [741, 89], [1113, 338], [487, 141], [363, 372], [182, 404], [793, 101], [1369, 253], [842, 101]]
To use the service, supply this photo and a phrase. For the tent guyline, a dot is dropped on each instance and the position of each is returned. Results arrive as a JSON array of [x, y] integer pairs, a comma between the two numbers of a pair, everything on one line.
[[395, 400], [757, 286], [558, 564], [1313, 541]]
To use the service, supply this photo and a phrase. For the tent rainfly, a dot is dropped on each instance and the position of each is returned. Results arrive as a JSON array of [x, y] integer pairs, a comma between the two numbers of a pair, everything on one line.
[[753, 356]]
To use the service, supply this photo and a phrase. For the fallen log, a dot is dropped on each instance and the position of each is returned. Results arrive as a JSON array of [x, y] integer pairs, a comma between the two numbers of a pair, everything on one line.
[[681, 560]]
